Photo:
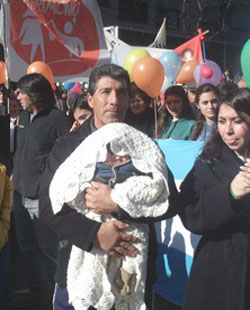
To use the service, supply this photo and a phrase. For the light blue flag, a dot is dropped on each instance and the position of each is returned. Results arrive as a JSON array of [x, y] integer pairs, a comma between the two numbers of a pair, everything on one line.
[[176, 245]]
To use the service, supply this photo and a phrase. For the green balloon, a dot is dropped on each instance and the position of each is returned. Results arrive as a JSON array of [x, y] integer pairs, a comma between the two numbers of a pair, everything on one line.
[[245, 62]]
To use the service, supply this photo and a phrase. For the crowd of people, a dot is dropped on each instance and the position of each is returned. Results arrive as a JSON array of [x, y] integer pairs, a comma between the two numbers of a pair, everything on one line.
[[89, 182]]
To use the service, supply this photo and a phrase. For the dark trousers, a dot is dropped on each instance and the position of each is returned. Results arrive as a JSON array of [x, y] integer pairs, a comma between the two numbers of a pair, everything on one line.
[[38, 246], [161, 303], [5, 277]]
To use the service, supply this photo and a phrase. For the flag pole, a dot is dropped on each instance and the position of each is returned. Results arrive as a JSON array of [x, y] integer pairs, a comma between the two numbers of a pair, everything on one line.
[[202, 34], [5, 50], [156, 117]]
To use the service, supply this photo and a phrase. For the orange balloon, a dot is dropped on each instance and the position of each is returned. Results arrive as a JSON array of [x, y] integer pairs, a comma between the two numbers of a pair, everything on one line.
[[3, 72], [186, 74], [148, 75], [43, 69]]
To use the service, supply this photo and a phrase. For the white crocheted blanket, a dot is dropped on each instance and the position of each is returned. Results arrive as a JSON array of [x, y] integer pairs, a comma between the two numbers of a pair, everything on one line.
[[92, 276]]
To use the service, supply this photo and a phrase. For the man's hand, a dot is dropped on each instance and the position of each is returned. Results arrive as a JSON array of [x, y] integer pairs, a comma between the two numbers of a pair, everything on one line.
[[112, 240], [98, 200]]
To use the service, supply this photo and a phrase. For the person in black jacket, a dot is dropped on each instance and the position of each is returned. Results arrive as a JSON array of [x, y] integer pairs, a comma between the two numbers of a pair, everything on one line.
[[108, 95], [39, 127], [216, 199]]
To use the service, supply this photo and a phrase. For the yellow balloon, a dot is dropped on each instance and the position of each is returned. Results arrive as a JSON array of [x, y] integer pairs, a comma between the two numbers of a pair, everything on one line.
[[131, 59]]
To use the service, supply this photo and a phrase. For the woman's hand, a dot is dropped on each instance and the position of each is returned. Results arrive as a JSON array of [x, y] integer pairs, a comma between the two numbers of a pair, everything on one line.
[[240, 185]]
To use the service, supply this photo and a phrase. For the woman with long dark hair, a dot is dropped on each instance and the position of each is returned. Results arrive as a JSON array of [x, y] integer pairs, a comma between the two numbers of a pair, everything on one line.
[[216, 199], [207, 100], [176, 119]]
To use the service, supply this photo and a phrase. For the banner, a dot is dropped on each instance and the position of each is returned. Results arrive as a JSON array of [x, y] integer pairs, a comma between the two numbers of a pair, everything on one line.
[[67, 35], [111, 39], [191, 50], [161, 37], [176, 245], [119, 52]]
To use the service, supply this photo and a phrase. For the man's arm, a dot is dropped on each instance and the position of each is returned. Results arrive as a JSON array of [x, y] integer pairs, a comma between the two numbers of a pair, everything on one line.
[[75, 227], [98, 199]]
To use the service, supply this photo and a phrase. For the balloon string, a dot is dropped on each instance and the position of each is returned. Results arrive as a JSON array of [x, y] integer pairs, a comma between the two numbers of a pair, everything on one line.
[[204, 49], [156, 118]]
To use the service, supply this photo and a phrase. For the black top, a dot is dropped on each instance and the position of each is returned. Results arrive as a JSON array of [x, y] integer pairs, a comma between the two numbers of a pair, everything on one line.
[[144, 122], [35, 139], [76, 228], [5, 135], [219, 276]]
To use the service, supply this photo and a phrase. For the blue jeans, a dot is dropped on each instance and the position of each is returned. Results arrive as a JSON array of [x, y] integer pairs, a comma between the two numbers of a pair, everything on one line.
[[5, 277], [61, 298], [37, 244]]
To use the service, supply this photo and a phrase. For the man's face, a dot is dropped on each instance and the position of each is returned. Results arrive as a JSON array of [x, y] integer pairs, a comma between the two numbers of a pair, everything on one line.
[[1, 97], [110, 101], [14, 108], [24, 100]]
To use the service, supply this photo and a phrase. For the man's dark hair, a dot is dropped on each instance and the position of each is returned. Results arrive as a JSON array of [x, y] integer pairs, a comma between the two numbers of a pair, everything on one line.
[[38, 89], [110, 70]]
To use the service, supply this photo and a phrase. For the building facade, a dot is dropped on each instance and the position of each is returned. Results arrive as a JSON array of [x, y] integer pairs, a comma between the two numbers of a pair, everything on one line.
[[138, 22]]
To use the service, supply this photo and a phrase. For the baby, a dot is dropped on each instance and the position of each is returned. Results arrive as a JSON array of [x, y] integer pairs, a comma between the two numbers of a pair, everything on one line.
[[134, 167]]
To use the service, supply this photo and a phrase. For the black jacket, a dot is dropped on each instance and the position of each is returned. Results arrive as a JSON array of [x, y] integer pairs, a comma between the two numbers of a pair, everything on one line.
[[5, 135], [76, 228], [35, 140], [219, 276], [143, 122]]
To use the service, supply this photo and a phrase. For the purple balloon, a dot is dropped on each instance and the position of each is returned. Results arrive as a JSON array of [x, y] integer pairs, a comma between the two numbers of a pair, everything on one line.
[[216, 77]]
